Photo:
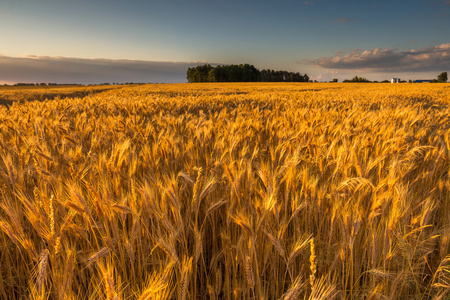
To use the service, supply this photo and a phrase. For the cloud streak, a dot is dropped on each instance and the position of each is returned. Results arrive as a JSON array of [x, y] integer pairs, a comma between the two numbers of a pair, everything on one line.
[[435, 58], [79, 70]]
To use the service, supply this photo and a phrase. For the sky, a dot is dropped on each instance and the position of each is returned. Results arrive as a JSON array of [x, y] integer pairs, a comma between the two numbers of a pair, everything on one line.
[[99, 41]]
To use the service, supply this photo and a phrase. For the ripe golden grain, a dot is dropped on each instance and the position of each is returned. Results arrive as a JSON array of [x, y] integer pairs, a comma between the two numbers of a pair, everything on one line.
[[189, 190]]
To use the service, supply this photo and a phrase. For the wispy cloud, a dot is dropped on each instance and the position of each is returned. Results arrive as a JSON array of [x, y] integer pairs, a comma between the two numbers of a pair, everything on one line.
[[80, 70], [387, 60], [310, 3], [344, 20]]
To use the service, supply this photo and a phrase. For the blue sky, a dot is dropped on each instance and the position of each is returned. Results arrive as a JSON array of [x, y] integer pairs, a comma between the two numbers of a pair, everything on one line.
[[324, 38]]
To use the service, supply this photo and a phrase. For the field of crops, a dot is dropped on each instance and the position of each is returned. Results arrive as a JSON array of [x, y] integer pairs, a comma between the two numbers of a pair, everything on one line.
[[11, 94], [228, 191]]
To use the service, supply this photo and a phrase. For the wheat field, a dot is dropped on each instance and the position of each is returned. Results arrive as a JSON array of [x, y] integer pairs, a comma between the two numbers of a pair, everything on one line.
[[228, 191], [11, 94]]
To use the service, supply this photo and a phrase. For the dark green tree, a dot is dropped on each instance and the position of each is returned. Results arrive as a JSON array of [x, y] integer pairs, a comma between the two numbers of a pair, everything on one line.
[[443, 77], [199, 73], [357, 79], [241, 73], [212, 77]]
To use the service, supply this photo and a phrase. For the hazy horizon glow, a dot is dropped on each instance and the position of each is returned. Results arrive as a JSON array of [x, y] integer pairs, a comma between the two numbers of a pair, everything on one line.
[[80, 70], [323, 38]]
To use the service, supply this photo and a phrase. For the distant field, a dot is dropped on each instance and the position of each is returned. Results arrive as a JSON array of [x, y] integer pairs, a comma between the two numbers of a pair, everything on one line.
[[10, 94], [226, 191]]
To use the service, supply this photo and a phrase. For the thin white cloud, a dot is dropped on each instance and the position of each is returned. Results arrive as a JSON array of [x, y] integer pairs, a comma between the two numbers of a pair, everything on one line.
[[79, 70], [387, 60]]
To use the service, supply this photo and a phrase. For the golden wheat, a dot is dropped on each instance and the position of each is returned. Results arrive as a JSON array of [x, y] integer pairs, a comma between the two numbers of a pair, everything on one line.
[[226, 191]]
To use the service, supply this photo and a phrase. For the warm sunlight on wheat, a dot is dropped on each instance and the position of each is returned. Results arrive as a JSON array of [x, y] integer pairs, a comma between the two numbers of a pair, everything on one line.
[[228, 191]]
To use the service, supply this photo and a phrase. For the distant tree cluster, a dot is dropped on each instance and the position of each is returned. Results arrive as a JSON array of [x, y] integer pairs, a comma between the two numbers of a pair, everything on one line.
[[241, 73], [24, 84], [42, 84], [280, 76], [357, 79], [441, 78], [77, 84]]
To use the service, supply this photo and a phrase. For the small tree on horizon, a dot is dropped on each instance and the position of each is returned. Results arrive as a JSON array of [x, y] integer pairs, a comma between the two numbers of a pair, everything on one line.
[[443, 77], [357, 79]]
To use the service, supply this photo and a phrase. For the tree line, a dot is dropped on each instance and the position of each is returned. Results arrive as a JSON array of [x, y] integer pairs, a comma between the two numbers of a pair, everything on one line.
[[357, 79], [441, 78], [241, 73]]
